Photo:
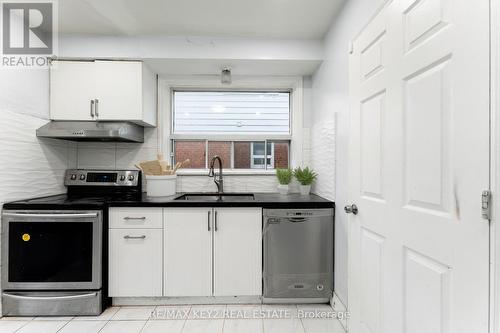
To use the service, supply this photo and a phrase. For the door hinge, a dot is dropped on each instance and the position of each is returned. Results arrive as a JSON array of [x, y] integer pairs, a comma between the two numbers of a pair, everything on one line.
[[486, 205]]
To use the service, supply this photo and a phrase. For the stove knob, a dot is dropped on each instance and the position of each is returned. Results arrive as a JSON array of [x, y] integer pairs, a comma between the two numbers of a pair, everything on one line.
[[73, 177], [131, 177], [82, 177], [122, 178]]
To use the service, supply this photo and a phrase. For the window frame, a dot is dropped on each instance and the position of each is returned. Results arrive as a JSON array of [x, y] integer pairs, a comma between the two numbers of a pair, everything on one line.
[[292, 84]]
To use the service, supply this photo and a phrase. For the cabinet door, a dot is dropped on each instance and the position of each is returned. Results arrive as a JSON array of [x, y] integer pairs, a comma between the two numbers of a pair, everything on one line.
[[188, 251], [237, 251], [119, 90], [135, 262], [72, 87]]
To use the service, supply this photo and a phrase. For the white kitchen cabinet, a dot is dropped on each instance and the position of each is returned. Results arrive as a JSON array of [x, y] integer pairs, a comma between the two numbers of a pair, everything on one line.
[[228, 238], [103, 91], [135, 262], [72, 88], [237, 252], [188, 251]]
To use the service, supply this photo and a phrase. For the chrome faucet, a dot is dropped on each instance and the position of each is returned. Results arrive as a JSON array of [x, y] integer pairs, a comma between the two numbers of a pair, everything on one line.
[[217, 177]]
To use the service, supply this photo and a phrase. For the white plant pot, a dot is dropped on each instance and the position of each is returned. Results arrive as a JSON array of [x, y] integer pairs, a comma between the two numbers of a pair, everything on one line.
[[305, 189], [283, 189]]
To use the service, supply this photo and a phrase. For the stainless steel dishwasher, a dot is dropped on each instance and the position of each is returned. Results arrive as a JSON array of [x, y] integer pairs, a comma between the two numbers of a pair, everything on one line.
[[298, 255]]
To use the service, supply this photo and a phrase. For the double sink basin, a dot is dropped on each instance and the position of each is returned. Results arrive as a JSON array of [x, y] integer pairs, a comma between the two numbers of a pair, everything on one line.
[[217, 197]]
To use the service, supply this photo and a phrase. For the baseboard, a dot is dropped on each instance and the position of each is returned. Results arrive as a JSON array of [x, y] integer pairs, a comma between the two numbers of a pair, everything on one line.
[[187, 300], [339, 307]]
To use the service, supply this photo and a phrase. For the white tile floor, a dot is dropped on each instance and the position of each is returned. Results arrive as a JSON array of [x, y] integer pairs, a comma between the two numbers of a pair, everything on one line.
[[184, 319]]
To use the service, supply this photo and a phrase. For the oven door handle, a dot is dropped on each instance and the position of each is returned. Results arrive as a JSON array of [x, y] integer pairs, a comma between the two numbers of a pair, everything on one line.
[[50, 298], [62, 215]]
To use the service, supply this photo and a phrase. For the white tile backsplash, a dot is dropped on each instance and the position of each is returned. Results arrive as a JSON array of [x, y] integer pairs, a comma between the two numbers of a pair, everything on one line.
[[126, 158], [96, 158], [322, 156], [31, 166]]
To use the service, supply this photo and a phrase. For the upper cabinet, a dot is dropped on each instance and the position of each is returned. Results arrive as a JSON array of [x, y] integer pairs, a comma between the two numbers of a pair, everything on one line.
[[103, 91]]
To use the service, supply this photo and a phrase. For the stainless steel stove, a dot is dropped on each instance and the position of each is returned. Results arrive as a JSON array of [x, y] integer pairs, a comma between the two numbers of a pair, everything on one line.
[[54, 248]]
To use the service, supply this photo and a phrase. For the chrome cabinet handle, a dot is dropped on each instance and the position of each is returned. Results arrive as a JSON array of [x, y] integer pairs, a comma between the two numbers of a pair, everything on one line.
[[127, 218], [215, 227], [208, 221], [96, 107], [134, 237], [92, 108]]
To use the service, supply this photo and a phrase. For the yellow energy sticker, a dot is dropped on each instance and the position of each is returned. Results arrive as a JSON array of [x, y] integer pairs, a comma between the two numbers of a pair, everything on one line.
[[26, 237]]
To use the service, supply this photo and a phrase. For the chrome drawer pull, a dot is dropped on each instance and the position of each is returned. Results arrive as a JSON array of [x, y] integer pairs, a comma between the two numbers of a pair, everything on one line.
[[127, 218], [134, 237]]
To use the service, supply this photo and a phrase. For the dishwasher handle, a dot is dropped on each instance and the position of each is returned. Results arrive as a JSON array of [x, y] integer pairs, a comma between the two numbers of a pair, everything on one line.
[[278, 220]]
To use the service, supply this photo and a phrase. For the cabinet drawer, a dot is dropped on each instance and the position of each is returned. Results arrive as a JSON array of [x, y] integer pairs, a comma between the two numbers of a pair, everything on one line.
[[143, 218], [135, 262]]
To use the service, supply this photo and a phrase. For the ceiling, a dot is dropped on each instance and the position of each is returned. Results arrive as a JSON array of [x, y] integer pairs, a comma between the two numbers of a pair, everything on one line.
[[287, 19]]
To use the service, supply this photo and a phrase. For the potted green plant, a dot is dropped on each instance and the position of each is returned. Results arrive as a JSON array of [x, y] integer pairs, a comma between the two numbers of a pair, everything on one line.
[[284, 179], [305, 177]]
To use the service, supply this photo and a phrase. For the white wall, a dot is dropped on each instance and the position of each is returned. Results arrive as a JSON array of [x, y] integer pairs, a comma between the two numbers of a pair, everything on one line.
[[330, 122], [29, 166]]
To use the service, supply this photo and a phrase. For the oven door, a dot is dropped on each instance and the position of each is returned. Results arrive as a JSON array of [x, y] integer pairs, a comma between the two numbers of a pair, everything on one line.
[[51, 250]]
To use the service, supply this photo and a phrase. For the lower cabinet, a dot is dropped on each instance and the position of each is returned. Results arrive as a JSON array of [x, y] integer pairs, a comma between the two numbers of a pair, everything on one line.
[[188, 251], [213, 251], [135, 262], [191, 252], [237, 252]]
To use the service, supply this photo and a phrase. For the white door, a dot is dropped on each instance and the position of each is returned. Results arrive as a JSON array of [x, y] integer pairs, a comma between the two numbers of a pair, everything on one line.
[[237, 251], [418, 251], [135, 262], [72, 89], [188, 251], [119, 90]]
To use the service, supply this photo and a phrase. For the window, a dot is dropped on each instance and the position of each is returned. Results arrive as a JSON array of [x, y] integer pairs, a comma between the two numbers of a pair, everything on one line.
[[248, 130]]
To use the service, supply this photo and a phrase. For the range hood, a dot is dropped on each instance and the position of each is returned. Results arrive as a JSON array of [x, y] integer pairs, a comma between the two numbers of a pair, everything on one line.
[[92, 131]]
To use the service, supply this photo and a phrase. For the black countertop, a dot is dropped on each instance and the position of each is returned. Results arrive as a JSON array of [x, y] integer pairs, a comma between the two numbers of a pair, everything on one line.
[[264, 200]]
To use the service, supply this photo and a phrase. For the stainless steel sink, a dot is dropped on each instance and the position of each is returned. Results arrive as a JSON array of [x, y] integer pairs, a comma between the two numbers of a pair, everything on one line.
[[217, 197]]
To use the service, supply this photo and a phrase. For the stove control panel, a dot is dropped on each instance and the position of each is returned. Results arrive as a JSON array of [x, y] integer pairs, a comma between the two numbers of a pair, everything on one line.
[[84, 177]]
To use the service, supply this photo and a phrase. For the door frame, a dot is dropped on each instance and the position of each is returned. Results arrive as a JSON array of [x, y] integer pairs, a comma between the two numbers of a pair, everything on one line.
[[495, 166]]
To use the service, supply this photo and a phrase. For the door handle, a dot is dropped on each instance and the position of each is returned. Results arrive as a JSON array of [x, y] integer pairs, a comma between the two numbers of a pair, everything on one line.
[[50, 298], [351, 209], [97, 108], [92, 108], [54, 216], [215, 227], [208, 221]]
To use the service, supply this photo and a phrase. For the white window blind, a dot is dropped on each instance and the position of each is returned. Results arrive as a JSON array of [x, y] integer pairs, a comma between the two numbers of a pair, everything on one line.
[[232, 112]]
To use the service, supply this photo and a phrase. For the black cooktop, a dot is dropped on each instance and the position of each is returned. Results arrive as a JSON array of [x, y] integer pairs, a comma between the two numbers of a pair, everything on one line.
[[67, 202]]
